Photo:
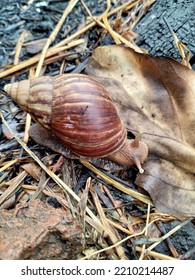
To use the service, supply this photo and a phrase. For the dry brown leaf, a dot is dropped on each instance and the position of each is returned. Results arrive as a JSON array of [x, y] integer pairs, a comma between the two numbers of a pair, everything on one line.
[[155, 96], [32, 170]]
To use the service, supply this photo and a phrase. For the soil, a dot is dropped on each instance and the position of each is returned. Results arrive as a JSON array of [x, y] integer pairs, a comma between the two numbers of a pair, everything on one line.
[[41, 17]]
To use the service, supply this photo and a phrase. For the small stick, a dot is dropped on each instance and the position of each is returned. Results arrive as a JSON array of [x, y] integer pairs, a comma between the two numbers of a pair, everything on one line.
[[119, 242], [181, 47], [168, 240], [8, 164], [169, 234], [146, 232], [117, 37], [155, 254], [57, 48], [53, 35], [116, 184], [14, 187], [34, 59], [19, 46]]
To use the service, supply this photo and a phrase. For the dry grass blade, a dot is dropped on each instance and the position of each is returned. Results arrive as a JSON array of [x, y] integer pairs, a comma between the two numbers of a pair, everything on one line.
[[181, 47], [14, 187], [146, 232], [120, 213], [117, 37], [53, 35], [67, 41], [168, 234], [119, 242], [83, 202], [107, 25], [117, 185], [35, 59], [41, 185], [27, 126], [19, 47], [2, 178], [155, 254], [95, 225], [16, 62], [169, 242], [118, 226], [57, 180], [8, 164], [112, 235], [50, 173]]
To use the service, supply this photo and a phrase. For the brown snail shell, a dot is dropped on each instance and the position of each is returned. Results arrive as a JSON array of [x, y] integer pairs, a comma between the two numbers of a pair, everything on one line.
[[78, 111]]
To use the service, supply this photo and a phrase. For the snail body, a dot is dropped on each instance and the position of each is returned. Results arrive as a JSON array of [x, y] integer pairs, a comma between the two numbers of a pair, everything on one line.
[[78, 112]]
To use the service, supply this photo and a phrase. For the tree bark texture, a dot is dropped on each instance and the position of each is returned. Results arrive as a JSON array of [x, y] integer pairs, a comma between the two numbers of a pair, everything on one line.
[[154, 34]]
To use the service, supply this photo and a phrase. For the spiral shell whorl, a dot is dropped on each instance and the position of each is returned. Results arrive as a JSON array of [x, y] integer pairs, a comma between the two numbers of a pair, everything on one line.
[[40, 100], [19, 92], [84, 118], [34, 97], [76, 109]]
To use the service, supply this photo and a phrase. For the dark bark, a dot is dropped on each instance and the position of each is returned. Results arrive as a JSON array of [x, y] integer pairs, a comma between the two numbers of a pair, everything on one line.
[[154, 34]]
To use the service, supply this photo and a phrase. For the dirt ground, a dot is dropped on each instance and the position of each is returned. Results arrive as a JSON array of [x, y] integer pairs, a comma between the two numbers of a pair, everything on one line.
[[40, 18]]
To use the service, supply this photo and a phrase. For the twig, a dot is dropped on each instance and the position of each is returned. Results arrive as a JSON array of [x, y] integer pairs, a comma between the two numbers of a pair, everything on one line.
[[19, 46], [155, 254], [118, 243], [53, 35], [168, 234], [181, 47], [58, 47], [146, 232], [168, 240], [104, 221], [117, 37], [8, 164], [14, 187], [117, 185], [35, 59]]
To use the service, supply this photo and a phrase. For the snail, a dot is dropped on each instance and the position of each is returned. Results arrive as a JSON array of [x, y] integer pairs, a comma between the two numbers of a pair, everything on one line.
[[76, 117]]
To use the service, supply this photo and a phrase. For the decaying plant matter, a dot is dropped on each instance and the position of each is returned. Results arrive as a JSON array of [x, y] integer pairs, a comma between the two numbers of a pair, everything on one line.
[[154, 98]]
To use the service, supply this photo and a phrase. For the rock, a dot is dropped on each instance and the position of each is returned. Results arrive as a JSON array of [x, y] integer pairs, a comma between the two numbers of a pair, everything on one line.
[[37, 231]]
